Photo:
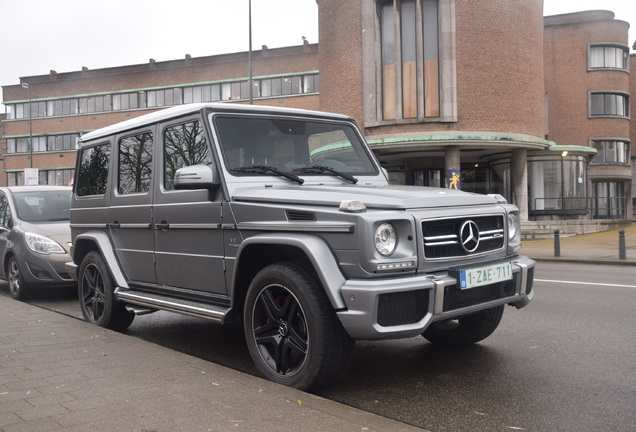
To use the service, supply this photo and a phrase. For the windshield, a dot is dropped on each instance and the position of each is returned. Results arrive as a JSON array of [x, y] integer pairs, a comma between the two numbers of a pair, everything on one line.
[[290, 146], [43, 206]]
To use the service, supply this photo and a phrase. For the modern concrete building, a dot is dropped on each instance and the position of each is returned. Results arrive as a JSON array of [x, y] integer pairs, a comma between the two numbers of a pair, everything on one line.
[[491, 93]]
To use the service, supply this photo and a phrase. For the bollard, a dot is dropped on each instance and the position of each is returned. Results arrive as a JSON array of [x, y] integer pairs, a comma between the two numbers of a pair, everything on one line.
[[622, 252], [557, 244]]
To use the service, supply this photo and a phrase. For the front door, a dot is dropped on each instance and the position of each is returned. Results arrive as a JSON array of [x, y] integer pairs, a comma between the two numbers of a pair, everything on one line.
[[187, 223]]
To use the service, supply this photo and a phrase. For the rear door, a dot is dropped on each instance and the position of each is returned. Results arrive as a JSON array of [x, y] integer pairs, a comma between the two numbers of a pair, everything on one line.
[[130, 216], [187, 223]]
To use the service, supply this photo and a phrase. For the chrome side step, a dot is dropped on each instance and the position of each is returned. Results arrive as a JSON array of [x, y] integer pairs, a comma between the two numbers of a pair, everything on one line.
[[181, 306]]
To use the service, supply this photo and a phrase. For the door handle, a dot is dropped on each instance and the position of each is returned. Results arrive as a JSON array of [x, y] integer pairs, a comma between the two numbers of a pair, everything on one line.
[[163, 225], [114, 225]]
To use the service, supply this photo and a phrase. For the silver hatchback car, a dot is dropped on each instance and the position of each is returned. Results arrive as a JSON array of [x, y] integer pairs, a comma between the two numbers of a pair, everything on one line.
[[34, 237]]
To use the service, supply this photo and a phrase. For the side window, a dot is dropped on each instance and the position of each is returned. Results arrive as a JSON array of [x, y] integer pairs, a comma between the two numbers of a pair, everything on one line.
[[184, 145], [5, 212], [135, 163], [93, 170]]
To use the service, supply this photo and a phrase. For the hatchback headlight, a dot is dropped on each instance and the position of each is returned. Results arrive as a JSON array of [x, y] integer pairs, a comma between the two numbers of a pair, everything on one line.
[[42, 244], [385, 239]]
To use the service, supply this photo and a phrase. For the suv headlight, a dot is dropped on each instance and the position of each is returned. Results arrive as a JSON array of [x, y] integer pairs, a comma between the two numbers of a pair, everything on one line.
[[513, 226], [385, 239], [42, 244]]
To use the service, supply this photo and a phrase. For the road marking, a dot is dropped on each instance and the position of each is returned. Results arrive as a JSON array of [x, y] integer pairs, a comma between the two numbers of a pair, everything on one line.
[[585, 283]]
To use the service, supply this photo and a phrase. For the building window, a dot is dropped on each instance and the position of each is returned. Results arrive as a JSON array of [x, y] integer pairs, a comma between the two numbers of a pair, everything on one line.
[[609, 104], [57, 177], [409, 36], [609, 200], [611, 151], [557, 184], [42, 143], [94, 104], [608, 57]]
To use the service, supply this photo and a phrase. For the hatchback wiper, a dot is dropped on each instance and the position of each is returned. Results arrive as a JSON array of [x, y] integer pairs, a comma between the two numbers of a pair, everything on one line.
[[321, 169], [261, 169]]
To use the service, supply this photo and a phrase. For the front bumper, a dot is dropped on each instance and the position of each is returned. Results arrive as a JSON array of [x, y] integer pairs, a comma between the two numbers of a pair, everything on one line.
[[406, 306], [46, 270]]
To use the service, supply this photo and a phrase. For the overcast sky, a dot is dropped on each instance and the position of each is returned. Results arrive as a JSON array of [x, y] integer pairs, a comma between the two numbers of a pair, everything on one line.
[[65, 35]]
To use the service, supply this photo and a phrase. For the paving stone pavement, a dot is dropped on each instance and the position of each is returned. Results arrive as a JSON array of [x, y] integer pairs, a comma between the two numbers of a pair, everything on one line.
[[58, 373]]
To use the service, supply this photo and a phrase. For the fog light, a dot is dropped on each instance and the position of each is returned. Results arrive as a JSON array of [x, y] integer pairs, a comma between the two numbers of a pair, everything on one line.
[[404, 265]]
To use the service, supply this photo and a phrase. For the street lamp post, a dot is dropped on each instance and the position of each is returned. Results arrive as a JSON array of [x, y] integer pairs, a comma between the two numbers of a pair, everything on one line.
[[27, 86]]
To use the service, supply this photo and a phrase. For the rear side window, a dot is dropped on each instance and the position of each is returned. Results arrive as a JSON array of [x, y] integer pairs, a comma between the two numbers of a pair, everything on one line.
[[135, 163], [93, 170], [184, 145]]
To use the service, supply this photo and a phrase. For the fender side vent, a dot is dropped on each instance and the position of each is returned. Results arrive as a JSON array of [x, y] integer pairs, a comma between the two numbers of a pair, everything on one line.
[[299, 216]]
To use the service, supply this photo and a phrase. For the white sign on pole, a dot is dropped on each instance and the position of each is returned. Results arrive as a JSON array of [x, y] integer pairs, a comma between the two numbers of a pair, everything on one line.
[[31, 176]]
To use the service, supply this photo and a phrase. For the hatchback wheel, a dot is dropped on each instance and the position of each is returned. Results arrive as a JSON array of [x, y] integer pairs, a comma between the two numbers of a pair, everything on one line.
[[18, 288], [96, 290]]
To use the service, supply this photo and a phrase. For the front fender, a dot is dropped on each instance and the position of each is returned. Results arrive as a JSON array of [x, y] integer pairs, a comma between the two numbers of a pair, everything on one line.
[[319, 254]]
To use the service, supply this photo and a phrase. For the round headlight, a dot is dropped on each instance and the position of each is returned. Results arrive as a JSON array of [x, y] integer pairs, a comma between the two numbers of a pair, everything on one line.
[[385, 239], [513, 226]]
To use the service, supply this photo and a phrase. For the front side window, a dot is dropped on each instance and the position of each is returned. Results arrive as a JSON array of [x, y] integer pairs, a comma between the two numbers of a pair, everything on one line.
[[184, 145], [5, 211], [135, 163], [609, 105], [93, 170]]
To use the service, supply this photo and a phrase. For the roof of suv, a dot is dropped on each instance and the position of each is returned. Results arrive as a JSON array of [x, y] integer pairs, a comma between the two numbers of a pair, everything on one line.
[[182, 110]]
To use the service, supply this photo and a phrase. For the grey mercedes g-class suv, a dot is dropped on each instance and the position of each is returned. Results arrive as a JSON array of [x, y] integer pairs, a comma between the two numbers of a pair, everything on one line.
[[283, 220]]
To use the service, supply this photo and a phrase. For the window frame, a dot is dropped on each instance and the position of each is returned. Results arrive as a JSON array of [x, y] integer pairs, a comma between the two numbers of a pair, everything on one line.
[[372, 70], [625, 57], [605, 114], [626, 152]]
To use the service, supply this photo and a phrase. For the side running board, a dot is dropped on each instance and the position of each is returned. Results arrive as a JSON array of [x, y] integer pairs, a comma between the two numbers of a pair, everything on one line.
[[181, 306]]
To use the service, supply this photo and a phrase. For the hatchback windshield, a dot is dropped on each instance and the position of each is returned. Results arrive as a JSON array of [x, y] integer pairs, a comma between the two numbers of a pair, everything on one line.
[[299, 147], [43, 206]]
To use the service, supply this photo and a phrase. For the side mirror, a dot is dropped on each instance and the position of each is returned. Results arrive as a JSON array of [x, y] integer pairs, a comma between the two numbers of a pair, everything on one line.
[[195, 177]]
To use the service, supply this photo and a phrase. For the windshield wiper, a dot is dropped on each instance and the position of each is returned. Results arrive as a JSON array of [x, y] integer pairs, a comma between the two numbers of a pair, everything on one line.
[[321, 169], [262, 169]]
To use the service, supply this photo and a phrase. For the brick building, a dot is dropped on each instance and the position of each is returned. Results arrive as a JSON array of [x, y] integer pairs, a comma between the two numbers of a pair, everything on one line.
[[533, 108]]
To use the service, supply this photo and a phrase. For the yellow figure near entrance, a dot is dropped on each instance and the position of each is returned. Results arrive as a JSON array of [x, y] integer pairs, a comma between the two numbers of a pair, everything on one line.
[[454, 180]]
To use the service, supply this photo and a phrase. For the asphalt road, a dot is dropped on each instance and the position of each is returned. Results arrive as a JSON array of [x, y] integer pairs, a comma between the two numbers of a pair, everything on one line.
[[567, 362]]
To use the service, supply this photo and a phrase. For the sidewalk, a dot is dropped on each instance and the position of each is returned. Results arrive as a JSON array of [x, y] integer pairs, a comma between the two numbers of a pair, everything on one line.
[[596, 248], [58, 373]]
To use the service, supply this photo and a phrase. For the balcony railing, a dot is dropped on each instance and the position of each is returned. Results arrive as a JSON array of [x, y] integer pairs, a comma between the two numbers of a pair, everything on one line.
[[597, 208]]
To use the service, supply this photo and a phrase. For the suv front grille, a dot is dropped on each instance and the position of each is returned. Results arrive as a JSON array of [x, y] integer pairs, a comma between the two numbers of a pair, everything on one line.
[[443, 239]]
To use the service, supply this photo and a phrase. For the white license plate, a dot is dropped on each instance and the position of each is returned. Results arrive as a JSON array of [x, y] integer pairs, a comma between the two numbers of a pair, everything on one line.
[[478, 276]]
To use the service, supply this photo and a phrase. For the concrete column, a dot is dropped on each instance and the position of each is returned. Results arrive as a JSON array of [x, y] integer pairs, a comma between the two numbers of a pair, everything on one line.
[[519, 176], [452, 161]]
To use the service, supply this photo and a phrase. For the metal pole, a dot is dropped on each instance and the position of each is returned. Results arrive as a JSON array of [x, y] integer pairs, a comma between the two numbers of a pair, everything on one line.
[[622, 249], [557, 244], [249, 55]]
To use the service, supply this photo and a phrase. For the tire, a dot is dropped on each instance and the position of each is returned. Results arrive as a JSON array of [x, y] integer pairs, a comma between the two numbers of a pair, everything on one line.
[[96, 290], [465, 330], [292, 331], [18, 288]]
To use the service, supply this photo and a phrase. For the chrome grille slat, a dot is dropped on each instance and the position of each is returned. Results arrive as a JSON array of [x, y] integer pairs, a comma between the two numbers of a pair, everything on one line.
[[442, 238]]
